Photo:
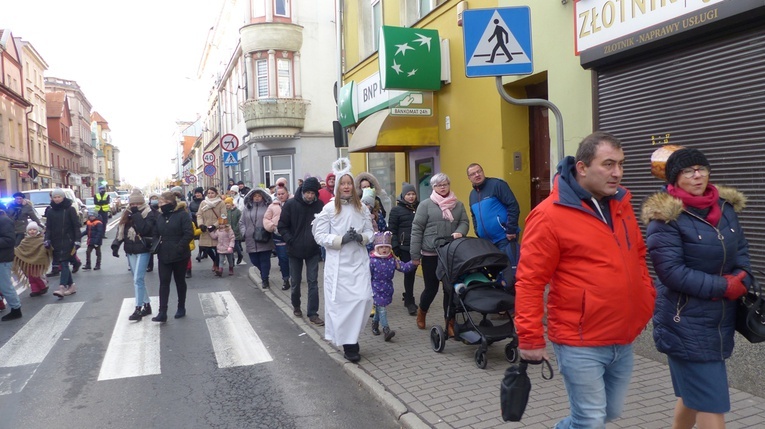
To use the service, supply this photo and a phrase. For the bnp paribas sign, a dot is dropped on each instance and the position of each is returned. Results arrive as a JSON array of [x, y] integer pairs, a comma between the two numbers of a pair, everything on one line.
[[410, 58]]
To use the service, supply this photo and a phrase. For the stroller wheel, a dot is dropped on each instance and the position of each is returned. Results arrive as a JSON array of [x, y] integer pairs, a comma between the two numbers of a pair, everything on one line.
[[480, 358], [437, 338], [511, 353]]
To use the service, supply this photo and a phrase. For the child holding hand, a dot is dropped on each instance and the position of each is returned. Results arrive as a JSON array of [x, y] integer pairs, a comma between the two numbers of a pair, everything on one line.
[[31, 260], [383, 265], [226, 242]]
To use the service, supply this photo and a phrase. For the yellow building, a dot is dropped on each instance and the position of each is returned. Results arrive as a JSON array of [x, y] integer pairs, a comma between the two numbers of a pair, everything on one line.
[[469, 121]]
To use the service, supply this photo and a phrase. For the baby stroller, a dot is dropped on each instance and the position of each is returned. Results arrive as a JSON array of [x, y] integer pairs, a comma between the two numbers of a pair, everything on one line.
[[469, 268]]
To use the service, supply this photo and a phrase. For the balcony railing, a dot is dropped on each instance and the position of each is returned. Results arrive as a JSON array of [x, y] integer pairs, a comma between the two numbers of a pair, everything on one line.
[[269, 118]]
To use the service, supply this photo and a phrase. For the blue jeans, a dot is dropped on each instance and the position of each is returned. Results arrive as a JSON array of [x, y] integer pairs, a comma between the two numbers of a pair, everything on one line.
[[312, 276], [262, 260], [596, 379], [66, 274], [6, 285], [284, 261], [138, 263], [381, 315]]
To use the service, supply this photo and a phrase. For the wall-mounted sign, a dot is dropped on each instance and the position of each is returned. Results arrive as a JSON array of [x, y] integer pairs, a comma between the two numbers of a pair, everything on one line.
[[410, 58]]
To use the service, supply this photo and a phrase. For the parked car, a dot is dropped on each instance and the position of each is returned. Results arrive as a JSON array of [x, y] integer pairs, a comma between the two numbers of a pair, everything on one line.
[[41, 200], [116, 203], [124, 198]]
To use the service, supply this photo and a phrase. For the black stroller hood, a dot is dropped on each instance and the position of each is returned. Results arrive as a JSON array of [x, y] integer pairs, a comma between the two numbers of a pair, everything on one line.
[[466, 255]]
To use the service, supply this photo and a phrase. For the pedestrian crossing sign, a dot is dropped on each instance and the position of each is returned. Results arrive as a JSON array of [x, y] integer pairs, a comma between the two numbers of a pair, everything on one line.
[[497, 41], [230, 159]]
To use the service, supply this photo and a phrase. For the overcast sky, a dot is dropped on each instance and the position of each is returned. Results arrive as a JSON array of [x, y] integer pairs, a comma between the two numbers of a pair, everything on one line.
[[135, 61]]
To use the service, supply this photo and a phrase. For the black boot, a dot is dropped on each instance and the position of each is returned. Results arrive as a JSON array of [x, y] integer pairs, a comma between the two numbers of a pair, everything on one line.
[[286, 285], [239, 259], [266, 284], [181, 312], [375, 328], [146, 310], [161, 316], [351, 352], [188, 273], [388, 333], [14, 314], [137, 315], [76, 266], [87, 266], [53, 273]]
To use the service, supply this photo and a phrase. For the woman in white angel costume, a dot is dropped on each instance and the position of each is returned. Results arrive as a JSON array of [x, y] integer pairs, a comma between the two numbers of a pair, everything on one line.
[[344, 228]]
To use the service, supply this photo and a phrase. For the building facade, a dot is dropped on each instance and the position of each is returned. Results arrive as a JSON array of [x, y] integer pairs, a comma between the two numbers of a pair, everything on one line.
[[14, 111], [34, 66], [65, 160]]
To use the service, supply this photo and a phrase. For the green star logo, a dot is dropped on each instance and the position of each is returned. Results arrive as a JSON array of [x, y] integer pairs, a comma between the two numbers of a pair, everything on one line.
[[410, 58]]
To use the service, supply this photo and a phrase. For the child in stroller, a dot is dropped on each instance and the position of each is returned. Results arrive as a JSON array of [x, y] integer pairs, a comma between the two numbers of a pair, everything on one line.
[[472, 266]]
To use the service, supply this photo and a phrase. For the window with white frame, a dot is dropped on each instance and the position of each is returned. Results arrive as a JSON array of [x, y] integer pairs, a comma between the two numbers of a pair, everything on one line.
[[282, 8], [275, 167], [284, 77], [376, 22], [414, 10], [258, 8], [261, 77]]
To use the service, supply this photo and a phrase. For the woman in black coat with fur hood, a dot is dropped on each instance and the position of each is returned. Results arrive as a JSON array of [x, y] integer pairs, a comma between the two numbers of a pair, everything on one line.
[[400, 225]]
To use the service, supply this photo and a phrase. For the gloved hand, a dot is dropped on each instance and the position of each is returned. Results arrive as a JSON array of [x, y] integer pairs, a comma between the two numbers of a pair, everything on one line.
[[211, 228], [46, 244], [736, 288], [359, 238], [134, 209], [203, 228], [349, 236]]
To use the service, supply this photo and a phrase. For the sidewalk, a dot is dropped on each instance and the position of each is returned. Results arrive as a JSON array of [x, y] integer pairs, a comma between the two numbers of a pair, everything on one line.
[[424, 389]]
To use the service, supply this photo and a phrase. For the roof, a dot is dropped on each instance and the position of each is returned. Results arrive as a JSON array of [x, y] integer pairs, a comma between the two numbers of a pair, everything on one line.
[[55, 104]]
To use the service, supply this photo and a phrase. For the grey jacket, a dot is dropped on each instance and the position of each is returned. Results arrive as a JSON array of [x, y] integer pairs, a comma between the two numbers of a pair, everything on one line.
[[429, 225]]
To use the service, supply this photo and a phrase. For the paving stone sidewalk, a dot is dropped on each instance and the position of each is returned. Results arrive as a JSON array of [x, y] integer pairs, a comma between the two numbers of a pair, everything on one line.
[[446, 390]]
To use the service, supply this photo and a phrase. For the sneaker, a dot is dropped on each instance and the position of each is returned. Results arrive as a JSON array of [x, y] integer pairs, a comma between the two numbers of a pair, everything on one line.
[[375, 328], [296, 311], [71, 290], [14, 314], [388, 333], [86, 267], [96, 268], [316, 320], [60, 291], [266, 284]]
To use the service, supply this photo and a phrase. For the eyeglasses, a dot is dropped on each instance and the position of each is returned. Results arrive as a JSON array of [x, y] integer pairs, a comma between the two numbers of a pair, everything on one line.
[[689, 172], [441, 185], [475, 173]]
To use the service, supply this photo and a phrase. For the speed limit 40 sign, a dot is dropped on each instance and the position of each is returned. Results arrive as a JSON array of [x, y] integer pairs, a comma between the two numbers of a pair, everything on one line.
[[208, 157], [229, 142]]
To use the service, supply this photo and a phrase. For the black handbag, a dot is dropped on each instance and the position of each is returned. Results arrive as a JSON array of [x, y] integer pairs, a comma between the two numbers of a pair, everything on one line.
[[155, 246], [750, 313], [515, 388], [260, 235]]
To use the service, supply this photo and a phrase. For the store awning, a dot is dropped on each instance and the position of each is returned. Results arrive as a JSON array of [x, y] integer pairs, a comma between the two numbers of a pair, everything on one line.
[[383, 132]]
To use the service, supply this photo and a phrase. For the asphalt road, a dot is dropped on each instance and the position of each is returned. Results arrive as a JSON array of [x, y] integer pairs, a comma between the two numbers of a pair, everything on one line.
[[53, 373]]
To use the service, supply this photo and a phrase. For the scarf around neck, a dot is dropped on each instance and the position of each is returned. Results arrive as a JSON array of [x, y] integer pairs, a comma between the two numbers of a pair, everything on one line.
[[31, 258], [706, 201], [212, 202], [446, 204]]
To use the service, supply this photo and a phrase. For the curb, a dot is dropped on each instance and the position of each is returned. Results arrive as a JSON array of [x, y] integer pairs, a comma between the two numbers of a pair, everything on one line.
[[394, 405]]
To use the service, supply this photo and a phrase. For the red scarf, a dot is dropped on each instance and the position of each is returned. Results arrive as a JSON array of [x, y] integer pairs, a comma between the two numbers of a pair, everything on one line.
[[706, 201]]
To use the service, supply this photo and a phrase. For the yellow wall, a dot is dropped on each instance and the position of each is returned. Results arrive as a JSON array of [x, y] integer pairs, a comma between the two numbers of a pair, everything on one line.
[[484, 128]]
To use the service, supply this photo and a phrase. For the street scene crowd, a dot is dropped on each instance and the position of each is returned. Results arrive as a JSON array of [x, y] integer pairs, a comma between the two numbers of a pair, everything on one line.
[[581, 263]]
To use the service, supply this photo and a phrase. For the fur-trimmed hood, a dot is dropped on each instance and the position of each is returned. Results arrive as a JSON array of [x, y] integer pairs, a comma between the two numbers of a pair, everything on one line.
[[664, 207], [379, 191]]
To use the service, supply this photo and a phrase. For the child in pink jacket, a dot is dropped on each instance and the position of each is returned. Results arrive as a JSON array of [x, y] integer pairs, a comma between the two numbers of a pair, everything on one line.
[[226, 240]]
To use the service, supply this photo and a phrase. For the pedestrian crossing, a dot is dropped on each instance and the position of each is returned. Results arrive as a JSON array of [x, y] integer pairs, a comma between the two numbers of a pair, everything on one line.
[[134, 347]]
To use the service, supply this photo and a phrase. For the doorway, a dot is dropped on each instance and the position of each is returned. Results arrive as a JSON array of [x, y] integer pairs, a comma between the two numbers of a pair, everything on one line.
[[539, 145]]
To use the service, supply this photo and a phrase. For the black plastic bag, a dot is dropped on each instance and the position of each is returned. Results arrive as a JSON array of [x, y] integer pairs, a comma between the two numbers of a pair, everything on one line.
[[515, 388], [750, 313]]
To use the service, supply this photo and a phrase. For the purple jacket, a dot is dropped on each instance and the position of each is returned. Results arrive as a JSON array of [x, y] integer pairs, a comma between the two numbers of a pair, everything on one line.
[[383, 270]]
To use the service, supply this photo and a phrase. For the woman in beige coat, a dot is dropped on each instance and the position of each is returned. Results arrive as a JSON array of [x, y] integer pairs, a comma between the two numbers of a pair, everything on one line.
[[210, 211]]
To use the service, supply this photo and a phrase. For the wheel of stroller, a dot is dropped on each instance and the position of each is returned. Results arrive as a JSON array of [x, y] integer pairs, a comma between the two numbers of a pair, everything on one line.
[[480, 358], [437, 338], [511, 353]]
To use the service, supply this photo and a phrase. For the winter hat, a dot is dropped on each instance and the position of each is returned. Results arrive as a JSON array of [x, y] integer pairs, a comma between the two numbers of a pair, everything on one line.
[[200, 190], [234, 189], [329, 176], [101, 187], [58, 192], [228, 200], [683, 158], [33, 225], [177, 190], [18, 194], [340, 168], [223, 219], [407, 188], [383, 239], [368, 197], [311, 184], [136, 197]]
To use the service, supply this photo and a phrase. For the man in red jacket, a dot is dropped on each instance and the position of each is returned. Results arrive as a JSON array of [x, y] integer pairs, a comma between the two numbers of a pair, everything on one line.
[[584, 242]]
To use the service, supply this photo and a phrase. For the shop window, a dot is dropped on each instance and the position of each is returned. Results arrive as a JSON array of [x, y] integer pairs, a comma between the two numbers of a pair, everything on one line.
[[383, 167]]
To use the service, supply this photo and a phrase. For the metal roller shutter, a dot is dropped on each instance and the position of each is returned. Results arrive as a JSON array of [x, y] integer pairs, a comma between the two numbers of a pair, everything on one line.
[[710, 96]]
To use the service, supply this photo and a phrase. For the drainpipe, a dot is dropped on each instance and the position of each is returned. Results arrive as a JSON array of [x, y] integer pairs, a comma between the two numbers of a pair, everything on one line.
[[339, 36]]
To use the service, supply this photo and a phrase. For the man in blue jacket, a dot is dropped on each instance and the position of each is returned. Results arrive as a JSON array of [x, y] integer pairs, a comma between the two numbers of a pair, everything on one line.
[[495, 213]]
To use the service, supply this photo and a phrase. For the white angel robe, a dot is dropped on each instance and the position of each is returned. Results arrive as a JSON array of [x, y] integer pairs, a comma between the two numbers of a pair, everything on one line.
[[347, 279]]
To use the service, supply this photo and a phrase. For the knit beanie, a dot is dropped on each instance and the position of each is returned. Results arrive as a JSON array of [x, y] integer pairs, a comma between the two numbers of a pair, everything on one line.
[[33, 225], [368, 197], [200, 190], [58, 192], [683, 158], [407, 188], [228, 200], [136, 197], [311, 184], [234, 188]]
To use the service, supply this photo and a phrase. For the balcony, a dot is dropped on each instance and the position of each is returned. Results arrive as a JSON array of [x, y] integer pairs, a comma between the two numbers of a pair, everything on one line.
[[274, 118], [278, 36]]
